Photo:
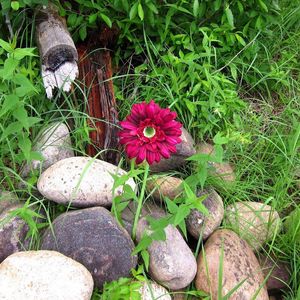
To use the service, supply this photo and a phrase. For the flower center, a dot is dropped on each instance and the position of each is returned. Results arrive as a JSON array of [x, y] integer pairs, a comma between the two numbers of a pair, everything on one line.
[[149, 132]]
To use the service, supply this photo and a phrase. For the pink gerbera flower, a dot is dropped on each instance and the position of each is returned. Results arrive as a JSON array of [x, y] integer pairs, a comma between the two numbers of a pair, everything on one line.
[[150, 132]]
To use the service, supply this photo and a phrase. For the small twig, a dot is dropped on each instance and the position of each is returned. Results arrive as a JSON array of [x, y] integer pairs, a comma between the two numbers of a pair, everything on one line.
[[8, 23]]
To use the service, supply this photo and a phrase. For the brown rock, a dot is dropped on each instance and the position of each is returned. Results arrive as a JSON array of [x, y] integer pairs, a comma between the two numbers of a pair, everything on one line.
[[253, 221], [167, 186], [200, 225], [221, 170], [277, 272], [184, 150], [239, 265]]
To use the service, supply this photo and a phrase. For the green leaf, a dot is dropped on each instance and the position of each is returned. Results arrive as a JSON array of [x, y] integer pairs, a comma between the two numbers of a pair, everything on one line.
[[93, 18], [182, 213], [141, 11], [21, 115], [133, 11], [25, 145], [20, 53], [219, 139], [146, 258], [240, 39], [106, 19], [229, 16], [82, 32], [15, 5], [6, 46], [172, 207], [72, 18], [196, 8], [12, 128], [202, 175], [10, 101], [263, 6], [10, 66]]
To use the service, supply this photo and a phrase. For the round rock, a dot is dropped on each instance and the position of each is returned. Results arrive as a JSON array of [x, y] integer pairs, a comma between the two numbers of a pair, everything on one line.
[[54, 144], [277, 272], [44, 275], [81, 182], [172, 263], [13, 230], [167, 186], [221, 170], [184, 150], [224, 249], [199, 224], [253, 221], [92, 237], [151, 290]]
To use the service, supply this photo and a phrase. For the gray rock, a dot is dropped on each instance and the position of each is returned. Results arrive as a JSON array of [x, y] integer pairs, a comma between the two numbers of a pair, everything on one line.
[[152, 291], [92, 237], [277, 272], [172, 263], [148, 209], [54, 144], [81, 182], [44, 275], [7, 199], [224, 249], [200, 225], [167, 186], [222, 170], [184, 150], [255, 222]]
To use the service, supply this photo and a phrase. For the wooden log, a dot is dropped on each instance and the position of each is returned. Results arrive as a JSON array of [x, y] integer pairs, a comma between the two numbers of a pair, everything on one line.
[[57, 50], [95, 72]]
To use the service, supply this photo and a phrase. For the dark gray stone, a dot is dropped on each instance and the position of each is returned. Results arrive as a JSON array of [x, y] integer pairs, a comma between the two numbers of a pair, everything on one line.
[[92, 237]]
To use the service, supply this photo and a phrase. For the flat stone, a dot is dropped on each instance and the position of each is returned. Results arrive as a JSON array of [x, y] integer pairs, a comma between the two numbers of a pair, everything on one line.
[[81, 182], [172, 263], [151, 290], [277, 272], [167, 186], [184, 150], [54, 144], [224, 249], [255, 222], [44, 275], [199, 224], [92, 237], [222, 170]]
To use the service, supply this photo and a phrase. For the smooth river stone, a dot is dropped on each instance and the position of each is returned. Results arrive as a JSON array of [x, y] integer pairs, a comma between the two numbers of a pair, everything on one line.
[[167, 186], [172, 263], [54, 144], [81, 182], [255, 222], [184, 150], [44, 275], [92, 237], [239, 265], [199, 224], [221, 170]]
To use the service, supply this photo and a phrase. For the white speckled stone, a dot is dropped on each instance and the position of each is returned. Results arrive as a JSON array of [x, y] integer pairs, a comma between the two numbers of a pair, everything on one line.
[[44, 275], [151, 291], [81, 182], [54, 144]]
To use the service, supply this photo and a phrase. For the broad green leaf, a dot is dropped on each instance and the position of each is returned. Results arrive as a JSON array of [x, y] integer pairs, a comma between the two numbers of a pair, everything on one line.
[[72, 18], [146, 258], [21, 115], [93, 18], [106, 19], [196, 8], [10, 66], [240, 39], [133, 11], [152, 7], [202, 175], [219, 139], [172, 207], [6, 46], [229, 16], [25, 145], [12, 128], [182, 213], [263, 5], [10, 101], [15, 5], [20, 53], [82, 32], [141, 11]]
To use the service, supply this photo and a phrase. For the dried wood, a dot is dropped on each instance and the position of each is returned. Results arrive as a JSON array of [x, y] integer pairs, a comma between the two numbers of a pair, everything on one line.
[[57, 50], [95, 72]]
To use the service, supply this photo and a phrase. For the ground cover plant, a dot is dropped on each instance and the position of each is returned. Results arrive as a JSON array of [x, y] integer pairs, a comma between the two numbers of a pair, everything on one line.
[[229, 69]]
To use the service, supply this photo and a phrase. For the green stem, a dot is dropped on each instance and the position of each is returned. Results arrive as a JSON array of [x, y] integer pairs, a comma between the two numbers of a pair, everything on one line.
[[140, 202]]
